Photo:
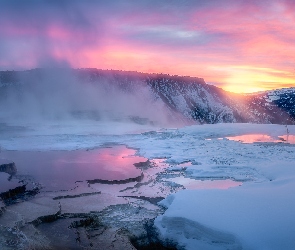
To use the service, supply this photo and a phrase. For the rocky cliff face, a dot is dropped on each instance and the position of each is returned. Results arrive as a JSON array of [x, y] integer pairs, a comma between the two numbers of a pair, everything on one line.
[[187, 98], [277, 106], [190, 97], [195, 100]]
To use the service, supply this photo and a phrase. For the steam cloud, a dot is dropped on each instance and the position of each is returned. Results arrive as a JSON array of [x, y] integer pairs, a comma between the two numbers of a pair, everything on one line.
[[60, 95]]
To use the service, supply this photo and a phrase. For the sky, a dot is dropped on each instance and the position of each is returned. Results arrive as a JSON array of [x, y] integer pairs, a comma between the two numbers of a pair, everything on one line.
[[238, 45]]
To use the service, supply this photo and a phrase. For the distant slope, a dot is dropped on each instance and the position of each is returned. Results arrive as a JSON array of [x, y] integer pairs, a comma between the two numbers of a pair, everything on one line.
[[188, 99], [276, 106]]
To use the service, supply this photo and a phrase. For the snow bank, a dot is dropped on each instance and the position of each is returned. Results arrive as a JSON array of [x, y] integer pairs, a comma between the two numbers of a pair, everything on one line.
[[252, 216]]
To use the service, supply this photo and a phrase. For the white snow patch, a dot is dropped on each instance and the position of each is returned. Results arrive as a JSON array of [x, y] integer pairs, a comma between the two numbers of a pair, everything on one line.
[[259, 216]]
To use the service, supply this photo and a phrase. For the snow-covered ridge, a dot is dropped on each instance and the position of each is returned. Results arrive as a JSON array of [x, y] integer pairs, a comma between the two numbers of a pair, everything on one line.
[[187, 99], [276, 94]]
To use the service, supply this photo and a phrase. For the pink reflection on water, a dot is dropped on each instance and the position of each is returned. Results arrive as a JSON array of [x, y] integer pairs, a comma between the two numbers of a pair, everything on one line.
[[205, 184], [116, 162], [61, 169], [251, 138], [288, 138]]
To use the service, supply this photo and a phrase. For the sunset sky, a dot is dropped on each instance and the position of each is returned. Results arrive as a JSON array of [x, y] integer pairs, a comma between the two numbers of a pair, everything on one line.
[[239, 45]]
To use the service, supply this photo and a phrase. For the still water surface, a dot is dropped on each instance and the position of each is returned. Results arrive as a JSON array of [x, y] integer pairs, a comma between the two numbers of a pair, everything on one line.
[[57, 170], [252, 138]]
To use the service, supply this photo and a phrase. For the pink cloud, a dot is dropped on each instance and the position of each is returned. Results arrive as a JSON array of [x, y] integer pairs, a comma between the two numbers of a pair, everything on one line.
[[199, 38]]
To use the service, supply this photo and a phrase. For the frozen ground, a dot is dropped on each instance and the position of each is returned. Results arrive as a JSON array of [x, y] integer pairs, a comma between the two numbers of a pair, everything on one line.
[[237, 196]]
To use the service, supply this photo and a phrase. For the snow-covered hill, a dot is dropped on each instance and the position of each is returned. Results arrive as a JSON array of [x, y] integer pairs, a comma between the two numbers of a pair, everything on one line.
[[280, 102], [185, 99]]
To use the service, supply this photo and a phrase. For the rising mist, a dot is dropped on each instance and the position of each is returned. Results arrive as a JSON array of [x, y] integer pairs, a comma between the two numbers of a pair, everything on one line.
[[60, 94]]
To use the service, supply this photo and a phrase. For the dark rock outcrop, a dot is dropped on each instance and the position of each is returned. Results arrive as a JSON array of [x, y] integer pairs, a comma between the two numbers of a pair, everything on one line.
[[132, 179], [17, 194], [75, 196], [143, 165], [8, 168], [153, 200]]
